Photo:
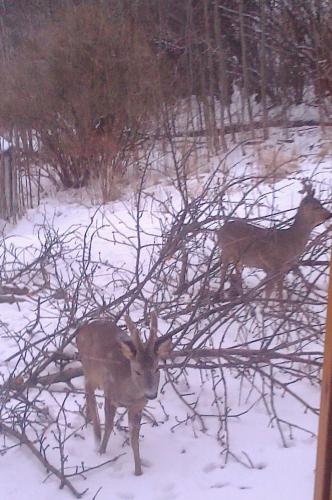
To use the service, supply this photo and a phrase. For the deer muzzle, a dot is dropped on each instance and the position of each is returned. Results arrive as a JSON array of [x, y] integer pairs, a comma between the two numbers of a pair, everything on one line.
[[151, 396]]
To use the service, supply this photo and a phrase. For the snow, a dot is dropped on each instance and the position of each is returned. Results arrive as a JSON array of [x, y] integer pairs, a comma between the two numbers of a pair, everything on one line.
[[180, 460], [4, 144]]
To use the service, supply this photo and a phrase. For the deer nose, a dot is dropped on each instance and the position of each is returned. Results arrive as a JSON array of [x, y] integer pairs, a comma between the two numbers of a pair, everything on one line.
[[151, 396]]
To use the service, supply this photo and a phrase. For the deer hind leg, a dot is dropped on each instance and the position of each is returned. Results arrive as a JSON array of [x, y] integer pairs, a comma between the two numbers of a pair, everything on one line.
[[91, 409], [109, 421], [134, 418], [236, 280]]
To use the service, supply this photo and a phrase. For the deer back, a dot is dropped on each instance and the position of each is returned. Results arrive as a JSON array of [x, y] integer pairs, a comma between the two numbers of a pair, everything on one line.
[[271, 249], [99, 345]]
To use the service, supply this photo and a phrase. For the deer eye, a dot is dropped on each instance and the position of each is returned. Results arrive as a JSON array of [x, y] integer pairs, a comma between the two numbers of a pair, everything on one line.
[[138, 372]]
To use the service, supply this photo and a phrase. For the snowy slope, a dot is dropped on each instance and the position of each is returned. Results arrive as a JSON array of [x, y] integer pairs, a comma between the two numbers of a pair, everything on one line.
[[181, 460]]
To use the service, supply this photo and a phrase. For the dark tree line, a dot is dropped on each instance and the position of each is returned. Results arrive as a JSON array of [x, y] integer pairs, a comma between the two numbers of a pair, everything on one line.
[[69, 65], [206, 41]]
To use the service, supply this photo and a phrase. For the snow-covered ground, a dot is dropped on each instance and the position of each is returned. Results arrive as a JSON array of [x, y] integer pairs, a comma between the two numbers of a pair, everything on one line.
[[180, 459]]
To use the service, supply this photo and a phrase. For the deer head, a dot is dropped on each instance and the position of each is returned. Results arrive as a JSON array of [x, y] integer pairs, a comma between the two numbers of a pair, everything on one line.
[[144, 357]]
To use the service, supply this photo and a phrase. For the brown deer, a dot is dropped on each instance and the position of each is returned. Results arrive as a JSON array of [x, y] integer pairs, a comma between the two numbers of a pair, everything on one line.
[[125, 368], [273, 250]]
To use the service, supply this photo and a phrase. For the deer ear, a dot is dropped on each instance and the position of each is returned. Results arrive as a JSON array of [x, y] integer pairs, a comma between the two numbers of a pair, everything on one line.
[[133, 331], [153, 330], [163, 348], [128, 349]]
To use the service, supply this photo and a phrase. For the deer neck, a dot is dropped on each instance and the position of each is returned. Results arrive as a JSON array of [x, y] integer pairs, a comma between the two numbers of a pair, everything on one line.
[[300, 229]]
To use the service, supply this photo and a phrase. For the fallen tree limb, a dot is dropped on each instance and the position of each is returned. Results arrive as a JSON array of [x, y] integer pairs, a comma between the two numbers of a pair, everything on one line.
[[246, 127], [253, 355], [10, 299], [257, 355], [23, 439], [62, 376], [16, 290]]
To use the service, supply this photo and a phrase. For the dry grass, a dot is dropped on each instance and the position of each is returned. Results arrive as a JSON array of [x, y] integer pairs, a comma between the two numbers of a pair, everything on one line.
[[275, 163], [325, 147]]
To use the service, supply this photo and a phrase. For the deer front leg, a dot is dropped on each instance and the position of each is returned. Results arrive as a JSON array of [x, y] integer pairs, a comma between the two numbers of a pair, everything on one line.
[[91, 410], [270, 284], [274, 280], [236, 287], [109, 421], [280, 286], [134, 419], [223, 271]]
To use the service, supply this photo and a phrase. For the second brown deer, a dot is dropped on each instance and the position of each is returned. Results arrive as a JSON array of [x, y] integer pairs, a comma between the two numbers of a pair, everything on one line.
[[125, 368], [273, 250]]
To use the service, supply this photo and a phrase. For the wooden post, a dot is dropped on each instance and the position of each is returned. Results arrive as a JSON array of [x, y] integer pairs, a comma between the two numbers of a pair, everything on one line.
[[323, 477]]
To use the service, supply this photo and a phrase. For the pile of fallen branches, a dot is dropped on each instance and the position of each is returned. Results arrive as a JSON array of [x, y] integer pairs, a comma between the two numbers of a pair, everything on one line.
[[264, 347]]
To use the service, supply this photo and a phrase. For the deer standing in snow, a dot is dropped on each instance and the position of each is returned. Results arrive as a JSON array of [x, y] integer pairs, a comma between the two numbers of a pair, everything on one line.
[[125, 368], [273, 250]]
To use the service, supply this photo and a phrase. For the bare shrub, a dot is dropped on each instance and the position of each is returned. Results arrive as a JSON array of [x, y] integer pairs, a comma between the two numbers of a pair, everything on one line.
[[248, 352], [87, 83]]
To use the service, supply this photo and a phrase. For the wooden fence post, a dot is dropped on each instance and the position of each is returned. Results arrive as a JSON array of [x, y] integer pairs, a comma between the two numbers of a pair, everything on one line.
[[323, 477]]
